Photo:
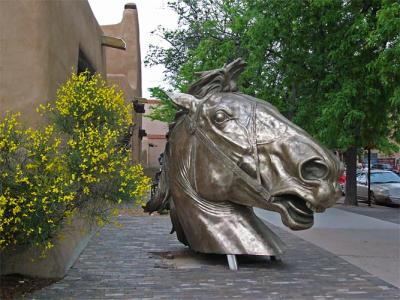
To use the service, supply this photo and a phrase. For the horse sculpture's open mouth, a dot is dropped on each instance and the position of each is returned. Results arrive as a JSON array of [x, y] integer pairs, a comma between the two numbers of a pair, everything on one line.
[[295, 211]]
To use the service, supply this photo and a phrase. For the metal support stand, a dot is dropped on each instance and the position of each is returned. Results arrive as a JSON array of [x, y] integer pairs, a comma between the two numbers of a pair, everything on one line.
[[232, 262]]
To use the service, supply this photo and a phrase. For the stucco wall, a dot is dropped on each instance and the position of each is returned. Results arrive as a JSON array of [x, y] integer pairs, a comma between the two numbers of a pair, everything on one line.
[[156, 132], [124, 67], [40, 42], [40, 45], [70, 242], [39, 48], [128, 62], [152, 153]]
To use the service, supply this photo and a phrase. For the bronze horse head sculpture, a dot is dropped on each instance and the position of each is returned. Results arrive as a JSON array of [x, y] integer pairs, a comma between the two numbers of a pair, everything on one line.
[[228, 152]]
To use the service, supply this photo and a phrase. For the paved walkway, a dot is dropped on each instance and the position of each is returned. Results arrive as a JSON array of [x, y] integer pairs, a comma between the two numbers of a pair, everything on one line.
[[369, 243], [128, 263], [384, 213]]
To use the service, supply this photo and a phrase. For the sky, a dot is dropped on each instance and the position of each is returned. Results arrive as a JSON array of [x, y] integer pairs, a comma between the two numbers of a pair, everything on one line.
[[151, 14]]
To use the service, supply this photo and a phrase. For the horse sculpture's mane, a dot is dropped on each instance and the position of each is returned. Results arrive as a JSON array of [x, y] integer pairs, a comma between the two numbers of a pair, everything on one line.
[[218, 80], [209, 82]]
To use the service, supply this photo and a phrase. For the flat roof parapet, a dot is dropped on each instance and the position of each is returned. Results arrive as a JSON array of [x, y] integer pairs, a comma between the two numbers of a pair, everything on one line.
[[130, 6]]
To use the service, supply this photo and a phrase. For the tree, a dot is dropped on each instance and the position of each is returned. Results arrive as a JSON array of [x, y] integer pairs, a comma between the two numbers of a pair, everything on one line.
[[165, 111], [330, 66]]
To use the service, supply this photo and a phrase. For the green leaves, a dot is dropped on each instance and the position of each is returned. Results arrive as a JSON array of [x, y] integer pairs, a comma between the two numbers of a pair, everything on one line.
[[333, 67], [165, 111]]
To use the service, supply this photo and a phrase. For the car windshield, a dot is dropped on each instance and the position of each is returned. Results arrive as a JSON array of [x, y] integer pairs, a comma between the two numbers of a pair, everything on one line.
[[384, 177]]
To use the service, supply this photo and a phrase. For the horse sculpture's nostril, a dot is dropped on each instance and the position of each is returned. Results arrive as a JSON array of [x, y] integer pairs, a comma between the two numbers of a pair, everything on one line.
[[313, 169]]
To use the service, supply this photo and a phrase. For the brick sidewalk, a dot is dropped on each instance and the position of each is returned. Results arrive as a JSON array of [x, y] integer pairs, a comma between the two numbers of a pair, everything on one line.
[[122, 263]]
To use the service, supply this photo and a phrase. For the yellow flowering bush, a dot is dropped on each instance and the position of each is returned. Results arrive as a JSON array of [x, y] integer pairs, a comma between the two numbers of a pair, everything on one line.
[[35, 193], [85, 101], [93, 118], [76, 163]]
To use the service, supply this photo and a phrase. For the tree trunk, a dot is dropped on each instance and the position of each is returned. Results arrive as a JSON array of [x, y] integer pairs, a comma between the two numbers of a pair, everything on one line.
[[369, 177], [351, 172]]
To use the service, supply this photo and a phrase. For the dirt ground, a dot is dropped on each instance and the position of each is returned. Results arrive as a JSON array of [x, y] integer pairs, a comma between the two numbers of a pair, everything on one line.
[[16, 286]]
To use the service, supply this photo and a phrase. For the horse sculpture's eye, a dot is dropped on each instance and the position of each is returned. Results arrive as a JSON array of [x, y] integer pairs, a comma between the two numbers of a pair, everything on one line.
[[220, 117]]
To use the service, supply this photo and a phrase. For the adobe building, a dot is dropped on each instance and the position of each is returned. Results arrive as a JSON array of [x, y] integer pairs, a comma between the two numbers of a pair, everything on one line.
[[155, 139], [124, 69], [42, 42]]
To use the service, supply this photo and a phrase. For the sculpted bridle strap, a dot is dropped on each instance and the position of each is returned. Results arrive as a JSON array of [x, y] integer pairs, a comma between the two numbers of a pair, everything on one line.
[[254, 143], [255, 185]]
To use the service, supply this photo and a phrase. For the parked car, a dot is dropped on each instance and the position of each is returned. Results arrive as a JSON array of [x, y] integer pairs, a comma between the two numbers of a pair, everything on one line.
[[385, 187], [382, 166]]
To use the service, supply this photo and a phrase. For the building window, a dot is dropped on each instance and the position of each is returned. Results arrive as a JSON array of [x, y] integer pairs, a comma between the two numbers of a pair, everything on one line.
[[84, 63]]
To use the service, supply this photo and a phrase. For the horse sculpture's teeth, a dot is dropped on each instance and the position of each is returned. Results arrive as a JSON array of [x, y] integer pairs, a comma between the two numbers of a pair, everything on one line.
[[310, 206], [315, 209]]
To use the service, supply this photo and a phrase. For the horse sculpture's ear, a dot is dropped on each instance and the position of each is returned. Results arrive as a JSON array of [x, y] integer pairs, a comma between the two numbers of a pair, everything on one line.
[[186, 101]]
